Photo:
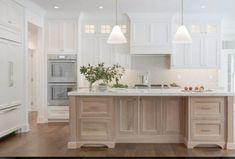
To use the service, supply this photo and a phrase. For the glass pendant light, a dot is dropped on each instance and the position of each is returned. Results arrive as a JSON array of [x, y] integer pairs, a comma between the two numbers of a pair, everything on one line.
[[182, 35], [116, 36]]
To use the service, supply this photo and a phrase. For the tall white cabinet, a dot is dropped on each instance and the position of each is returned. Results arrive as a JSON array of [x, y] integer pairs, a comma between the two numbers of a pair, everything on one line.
[[11, 64], [204, 51]]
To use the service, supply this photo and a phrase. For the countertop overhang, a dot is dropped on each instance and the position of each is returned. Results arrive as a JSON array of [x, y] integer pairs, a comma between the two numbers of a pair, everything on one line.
[[149, 92]]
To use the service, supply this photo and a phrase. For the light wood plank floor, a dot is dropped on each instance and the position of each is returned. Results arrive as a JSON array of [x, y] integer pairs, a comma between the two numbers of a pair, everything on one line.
[[51, 140]]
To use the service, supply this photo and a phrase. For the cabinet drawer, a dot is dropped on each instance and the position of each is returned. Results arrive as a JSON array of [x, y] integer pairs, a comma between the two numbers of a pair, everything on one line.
[[95, 107], [208, 130], [94, 129], [10, 120], [207, 107]]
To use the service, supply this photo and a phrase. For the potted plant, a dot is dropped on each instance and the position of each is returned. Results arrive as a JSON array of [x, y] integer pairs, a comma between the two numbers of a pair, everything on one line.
[[92, 73], [118, 73]]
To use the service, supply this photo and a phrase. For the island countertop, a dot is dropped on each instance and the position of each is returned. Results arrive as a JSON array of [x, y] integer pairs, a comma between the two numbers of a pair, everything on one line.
[[149, 92]]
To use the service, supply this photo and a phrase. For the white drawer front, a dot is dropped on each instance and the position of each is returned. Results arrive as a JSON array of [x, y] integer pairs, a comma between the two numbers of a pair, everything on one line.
[[94, 130], [207, 107], [206, 130], [10, 120]]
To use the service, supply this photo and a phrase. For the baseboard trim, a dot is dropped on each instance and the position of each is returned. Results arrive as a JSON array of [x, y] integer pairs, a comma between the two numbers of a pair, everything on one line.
[[42, 120], [152, 139], [25, 128]]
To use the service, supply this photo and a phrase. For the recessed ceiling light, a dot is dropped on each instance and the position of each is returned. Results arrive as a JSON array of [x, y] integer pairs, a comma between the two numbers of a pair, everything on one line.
[[101, 7], [203, 6], [56, 7]]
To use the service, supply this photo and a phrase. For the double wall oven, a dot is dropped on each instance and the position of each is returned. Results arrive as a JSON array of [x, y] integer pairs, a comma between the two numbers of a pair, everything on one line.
[[62, 78]]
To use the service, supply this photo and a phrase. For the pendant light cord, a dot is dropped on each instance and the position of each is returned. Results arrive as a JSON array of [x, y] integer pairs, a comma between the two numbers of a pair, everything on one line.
[[116, 12], [182, 12]]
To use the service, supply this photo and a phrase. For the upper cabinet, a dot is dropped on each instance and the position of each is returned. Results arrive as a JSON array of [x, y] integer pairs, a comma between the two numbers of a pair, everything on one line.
[[11, 15], [62, 36], [204, 51], [95, 48], [150, 34]]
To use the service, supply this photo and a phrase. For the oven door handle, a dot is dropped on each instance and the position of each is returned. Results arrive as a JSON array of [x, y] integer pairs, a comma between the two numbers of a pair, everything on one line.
[[55, 61], [53, 84]]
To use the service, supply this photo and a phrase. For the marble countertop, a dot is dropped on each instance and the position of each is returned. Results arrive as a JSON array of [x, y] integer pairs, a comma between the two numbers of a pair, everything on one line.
[[149, 92]]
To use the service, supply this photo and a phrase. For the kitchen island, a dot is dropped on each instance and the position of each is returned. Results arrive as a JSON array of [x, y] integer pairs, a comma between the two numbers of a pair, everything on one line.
[[151, 116]]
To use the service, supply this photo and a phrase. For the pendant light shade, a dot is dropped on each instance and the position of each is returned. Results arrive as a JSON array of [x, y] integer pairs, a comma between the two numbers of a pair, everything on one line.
[[182, 35], [116, 36]]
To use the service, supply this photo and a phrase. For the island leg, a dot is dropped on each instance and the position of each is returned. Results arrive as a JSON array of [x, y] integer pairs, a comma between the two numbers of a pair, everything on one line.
[[72, 144], [230, 124]]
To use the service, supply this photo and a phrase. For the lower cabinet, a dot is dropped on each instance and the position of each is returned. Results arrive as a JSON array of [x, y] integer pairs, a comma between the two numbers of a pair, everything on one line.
[[172, 115], [149, 116], [95, 121], [206, 121], [94, 129], [127, 116]]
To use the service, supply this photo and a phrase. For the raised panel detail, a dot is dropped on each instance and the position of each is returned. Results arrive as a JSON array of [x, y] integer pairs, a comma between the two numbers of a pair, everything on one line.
[[90, 54], [172, 115], [208, 130], [141, 33], [96, 107], [94, 130], [69, 36], [127, 122], [150, 115], [207, 107], [160, 33]]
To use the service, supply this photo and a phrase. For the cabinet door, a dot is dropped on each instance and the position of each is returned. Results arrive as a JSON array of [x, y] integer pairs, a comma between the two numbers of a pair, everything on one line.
[[90, 53], [4, 74], [3, 12], [122, 55], [55, 29], [15, 72], [105, 52], [196, 52], [15, 15], [140, 33], [180, 57], [160, 33], [127, 117], [69, 37], [212, 49], [150, 115], [172, 115]]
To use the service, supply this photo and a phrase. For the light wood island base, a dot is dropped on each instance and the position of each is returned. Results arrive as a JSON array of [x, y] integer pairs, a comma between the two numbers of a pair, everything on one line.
[[194, 121]]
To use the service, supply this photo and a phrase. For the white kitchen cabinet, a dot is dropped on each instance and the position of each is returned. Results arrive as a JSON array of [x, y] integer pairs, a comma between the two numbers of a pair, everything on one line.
[[62, 36], [90, 54], [96, 50], [204, 51], [11, 15], [150, 34], [10, 86], [105, 51], [11, 73]]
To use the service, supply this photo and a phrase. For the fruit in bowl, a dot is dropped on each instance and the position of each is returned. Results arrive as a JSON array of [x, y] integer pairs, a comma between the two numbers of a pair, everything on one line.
[[190, 88], [186, 88], [201, 88], [196, 88]]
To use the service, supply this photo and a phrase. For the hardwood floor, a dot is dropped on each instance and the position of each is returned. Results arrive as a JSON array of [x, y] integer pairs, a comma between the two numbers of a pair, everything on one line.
[[51, 140]]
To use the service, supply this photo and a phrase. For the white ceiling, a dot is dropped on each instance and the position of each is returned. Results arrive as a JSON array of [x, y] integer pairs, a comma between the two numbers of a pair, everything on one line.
[[171, 6]]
